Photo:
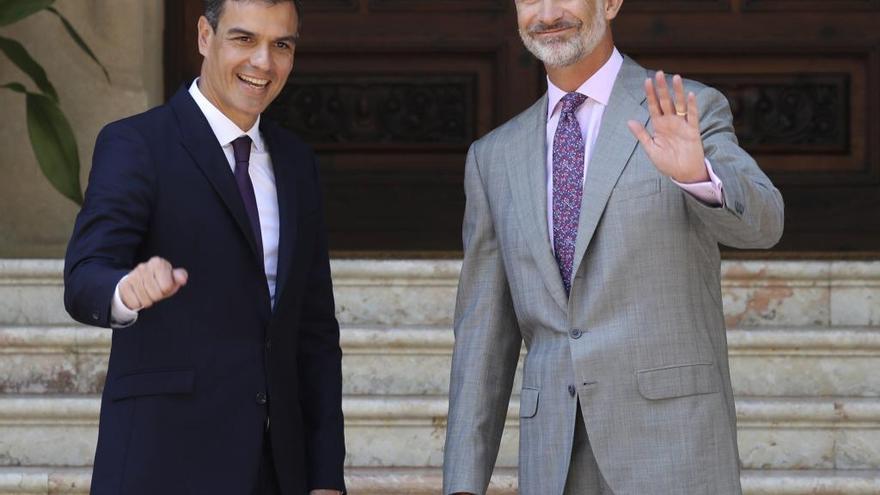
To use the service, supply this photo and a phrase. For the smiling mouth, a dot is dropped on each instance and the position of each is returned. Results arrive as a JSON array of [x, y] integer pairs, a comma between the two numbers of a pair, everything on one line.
[[554, 31], [253, 81], [541, 29]]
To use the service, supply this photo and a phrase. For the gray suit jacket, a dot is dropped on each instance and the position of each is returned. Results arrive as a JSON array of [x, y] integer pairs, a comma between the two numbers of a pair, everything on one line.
[[642, 335]]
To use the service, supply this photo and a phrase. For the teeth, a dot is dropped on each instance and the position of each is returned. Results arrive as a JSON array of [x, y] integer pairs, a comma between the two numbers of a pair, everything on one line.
[[253, 80]]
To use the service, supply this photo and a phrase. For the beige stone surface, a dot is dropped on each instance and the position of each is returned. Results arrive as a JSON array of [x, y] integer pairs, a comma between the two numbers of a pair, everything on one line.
[[420, 481], [786, 449], [408, 431], [416, 360], [395, 292], [62, 445], [858, 449], [126, 35], [804, 352], [813, 361], [422, 293], [803, 376]]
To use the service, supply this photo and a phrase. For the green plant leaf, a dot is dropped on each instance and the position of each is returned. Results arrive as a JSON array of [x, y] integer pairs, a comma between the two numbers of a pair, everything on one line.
[[53, 142], [54, 145], [16, 10], [23, 60], [79, 41], [17, 87]]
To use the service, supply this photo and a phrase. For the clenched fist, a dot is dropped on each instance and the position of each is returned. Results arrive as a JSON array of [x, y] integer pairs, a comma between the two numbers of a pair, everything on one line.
[[151, 282]]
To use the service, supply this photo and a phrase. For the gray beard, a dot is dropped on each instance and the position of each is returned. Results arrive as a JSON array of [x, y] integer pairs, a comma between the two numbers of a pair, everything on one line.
[[566, 52]]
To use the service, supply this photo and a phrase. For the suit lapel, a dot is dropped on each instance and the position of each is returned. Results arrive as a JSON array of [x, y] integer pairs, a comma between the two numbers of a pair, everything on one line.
[[201, 143], [615, 145], [283, 162], [526, 159]]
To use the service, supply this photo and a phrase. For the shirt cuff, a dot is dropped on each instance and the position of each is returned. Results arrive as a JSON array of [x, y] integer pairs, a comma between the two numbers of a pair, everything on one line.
[[120, 315], [710, 192]]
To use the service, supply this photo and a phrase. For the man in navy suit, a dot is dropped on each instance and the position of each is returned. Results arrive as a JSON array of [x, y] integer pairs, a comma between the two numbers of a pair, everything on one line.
[[202, 243]]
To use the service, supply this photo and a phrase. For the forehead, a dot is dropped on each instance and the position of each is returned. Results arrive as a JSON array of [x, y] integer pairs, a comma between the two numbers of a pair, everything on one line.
[[278, 19]]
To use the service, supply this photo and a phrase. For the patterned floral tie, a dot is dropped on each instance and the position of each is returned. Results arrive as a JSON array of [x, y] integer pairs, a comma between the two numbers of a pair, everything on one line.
[[568, 184]]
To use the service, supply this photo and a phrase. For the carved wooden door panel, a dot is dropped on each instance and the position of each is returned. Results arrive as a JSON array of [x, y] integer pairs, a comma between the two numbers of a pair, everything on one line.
[[803, 79], [391, 92]]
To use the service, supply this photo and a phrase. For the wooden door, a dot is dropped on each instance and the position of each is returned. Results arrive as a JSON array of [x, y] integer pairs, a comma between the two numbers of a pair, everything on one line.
[[391, 92]]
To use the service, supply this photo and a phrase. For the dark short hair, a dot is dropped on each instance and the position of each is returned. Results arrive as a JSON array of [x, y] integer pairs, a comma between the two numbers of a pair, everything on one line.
[[214, 9]]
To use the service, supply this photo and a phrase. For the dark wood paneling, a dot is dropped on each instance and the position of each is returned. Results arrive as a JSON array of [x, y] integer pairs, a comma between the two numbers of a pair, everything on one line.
[[824, 70], [310, 6], [364, 112], [391, 92], [677, 5], [811, 5], [803, 117], [435, 5], [789, 114], [182, 59], [395, 182]]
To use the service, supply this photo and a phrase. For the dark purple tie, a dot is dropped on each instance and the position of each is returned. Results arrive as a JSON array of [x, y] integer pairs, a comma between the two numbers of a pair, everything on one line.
[[568, 184], [241, 148]]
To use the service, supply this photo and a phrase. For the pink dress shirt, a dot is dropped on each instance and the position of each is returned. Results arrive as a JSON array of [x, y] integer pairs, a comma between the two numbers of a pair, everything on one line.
[[598, 91]]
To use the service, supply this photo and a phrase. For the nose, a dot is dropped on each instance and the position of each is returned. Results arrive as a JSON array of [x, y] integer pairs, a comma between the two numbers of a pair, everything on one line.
[[550, 12], [261, 59]]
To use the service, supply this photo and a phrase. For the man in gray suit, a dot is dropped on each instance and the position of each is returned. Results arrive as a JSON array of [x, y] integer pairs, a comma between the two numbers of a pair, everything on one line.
[[591, 232]]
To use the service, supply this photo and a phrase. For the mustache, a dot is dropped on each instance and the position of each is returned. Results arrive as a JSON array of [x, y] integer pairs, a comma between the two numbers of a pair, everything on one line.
[[541, 28]]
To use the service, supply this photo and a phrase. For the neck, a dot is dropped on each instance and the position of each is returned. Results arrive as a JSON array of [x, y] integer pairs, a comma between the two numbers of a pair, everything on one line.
[[244, 122], [571, 77]]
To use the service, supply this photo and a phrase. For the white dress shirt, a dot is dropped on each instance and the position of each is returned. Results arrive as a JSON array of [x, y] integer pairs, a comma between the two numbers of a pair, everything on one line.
[[263, 178], [598, 89]]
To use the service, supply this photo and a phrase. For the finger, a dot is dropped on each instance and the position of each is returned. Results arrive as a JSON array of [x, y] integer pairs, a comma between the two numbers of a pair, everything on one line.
[[129, 296], [152, 288], [141, 290], [651, 95], [180, 276], [678, 89], [156, 263], [663, 94], [693, 116], [164, 279], [640, 133]]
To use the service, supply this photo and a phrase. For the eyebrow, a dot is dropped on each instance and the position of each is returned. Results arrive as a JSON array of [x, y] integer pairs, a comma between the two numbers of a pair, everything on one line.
[[244, 32]]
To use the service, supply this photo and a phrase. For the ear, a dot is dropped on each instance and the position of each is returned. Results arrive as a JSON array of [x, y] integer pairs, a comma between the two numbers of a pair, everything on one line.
[[206, 32], [612, 7]]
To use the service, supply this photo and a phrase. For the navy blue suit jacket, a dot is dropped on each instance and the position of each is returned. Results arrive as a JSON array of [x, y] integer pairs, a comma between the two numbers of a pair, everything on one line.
[[184, 403]]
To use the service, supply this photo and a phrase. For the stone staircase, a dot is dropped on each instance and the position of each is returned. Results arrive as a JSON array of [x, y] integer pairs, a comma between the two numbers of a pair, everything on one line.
[[804, 347]]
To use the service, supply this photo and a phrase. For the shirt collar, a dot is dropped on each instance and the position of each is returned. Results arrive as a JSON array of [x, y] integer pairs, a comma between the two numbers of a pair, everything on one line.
[[598, 87], [225, 130]]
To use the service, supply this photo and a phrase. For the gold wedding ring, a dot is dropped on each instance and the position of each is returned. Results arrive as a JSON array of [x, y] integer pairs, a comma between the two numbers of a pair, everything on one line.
[[680, 113]]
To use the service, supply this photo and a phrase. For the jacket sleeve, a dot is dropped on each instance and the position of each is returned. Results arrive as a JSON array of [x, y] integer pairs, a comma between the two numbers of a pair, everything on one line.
[[752, 213], [111, 225], [320, 368], [487, 346]]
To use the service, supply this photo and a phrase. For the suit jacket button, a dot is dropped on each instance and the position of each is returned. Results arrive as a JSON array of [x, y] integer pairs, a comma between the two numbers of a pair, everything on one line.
[[261, 398], [96, 316], [576, 333], [571, 390]]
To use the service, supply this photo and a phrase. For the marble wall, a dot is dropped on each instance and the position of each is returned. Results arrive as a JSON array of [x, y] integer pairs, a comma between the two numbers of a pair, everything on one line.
[[804, 345], [126, 35]]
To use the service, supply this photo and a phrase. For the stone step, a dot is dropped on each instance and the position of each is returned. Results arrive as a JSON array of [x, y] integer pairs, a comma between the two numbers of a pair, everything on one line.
[[415, 360], [408, 431], [49, 480], [422, 292]]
